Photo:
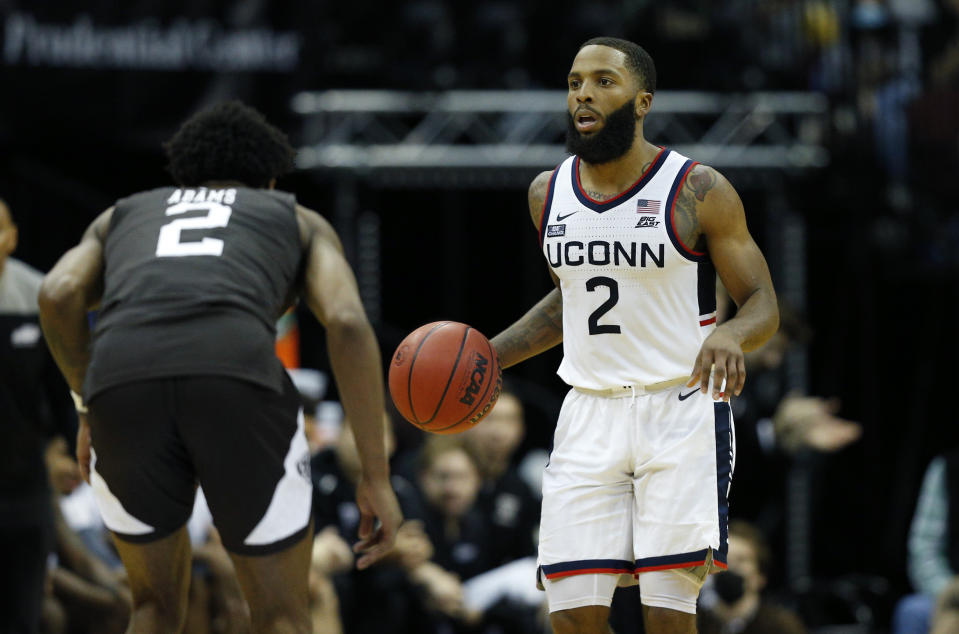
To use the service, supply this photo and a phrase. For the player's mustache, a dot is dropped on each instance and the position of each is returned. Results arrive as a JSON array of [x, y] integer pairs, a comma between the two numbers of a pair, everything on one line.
[[586, 109]]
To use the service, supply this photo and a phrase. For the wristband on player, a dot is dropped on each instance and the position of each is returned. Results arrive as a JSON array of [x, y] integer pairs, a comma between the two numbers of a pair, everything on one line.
[[78, 403]]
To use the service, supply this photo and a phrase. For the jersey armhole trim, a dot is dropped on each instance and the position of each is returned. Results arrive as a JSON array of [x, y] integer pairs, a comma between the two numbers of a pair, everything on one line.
[[547, 202], [685, 251]]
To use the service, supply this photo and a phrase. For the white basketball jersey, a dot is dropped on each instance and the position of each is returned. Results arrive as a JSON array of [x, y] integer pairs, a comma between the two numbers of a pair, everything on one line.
[[637, 302]]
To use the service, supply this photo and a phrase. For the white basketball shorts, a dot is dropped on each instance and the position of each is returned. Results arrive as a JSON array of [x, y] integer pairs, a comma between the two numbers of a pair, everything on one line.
[[637, 484]]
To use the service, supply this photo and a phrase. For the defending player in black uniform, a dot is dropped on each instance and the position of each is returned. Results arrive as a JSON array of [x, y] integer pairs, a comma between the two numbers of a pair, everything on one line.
[[181, 381]]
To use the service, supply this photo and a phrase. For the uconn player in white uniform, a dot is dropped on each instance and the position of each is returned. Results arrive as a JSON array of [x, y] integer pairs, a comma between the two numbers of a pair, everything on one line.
[[638, 479]]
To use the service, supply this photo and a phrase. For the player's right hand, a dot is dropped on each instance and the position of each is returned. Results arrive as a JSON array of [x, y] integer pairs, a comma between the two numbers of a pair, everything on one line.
[[376, 501], [83, 447], [720, 357]]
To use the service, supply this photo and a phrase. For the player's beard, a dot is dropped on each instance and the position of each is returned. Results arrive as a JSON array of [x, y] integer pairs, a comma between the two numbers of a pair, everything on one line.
[[612, 141]]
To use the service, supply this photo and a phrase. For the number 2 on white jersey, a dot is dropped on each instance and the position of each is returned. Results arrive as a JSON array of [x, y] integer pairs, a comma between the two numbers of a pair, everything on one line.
[[169, 244], [596, 328]]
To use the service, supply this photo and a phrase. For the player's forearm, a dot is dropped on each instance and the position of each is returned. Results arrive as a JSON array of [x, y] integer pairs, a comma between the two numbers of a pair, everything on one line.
[[538, 330], [756, 320], [63, 318], [355, 355]]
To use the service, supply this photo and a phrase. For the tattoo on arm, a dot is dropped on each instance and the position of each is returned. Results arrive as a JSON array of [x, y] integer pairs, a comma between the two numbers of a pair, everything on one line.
[[698, 183], [685, 220], [536, 197], [538, 330]]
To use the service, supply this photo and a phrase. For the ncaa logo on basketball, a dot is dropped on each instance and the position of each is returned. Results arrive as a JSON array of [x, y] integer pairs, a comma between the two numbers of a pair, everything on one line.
[[477, 376], [489, 404], [400, 357]]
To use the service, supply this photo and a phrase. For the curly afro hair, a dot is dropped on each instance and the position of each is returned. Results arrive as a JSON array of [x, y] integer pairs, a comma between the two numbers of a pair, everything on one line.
[[228, 141]]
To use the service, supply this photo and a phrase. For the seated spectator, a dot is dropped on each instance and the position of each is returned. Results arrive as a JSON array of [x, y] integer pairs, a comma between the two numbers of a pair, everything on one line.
[[86, 592], [504, 496], [403, 593], [946, 617], [491, 595], [449, 479], [775, 428], [733, 600], [932, 560]]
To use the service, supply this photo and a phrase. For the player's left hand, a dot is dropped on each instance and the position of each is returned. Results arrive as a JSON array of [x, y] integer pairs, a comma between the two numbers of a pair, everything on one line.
[[723, 351], [376, 501]]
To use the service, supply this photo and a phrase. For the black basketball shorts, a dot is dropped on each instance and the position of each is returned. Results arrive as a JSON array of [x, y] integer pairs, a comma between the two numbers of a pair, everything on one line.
[[155, 440]]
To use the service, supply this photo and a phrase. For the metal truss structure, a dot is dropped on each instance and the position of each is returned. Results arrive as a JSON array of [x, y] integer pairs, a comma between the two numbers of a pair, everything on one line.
[[370, 132]]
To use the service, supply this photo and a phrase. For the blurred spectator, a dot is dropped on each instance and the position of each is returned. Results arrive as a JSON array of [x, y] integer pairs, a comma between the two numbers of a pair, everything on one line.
[[933, 556], [934, 124], [888, 79], [732, 601], [946, 617], [489, 597], [331, 555], [944, 56], [449, 479], [34, 407], [88, 595], [504, 496], [773, 426], [405, 592]]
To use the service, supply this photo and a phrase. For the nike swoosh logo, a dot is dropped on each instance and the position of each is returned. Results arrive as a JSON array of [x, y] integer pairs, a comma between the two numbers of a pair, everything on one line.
[[562, 218], [683, 397]]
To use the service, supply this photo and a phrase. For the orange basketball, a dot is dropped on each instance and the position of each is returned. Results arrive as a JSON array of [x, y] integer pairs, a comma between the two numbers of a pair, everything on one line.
[[444, 377]]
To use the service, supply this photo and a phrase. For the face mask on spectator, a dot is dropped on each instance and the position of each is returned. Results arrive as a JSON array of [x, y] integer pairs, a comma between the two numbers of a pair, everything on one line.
[[729, 586]]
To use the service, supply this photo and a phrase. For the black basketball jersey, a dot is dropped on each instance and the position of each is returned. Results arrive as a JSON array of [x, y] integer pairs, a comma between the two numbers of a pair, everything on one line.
[[194, 281]]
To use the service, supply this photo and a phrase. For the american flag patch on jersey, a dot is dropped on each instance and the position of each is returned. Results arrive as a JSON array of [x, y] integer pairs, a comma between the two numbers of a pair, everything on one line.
[[646, 206]]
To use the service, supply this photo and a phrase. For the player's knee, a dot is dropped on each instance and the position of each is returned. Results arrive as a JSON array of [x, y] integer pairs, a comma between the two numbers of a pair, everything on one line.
[[667, 621], [589, 619]]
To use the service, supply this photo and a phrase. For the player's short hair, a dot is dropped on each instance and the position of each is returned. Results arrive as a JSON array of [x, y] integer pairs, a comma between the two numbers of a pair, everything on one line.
[[751, 534], [228, 141], [637, 59]]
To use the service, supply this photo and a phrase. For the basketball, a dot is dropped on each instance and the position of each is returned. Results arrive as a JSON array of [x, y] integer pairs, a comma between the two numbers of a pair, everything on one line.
[[444, 377]]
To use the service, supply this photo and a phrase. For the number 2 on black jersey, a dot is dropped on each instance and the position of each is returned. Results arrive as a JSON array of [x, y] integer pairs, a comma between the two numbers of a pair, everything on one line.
[[169, 244], [595, 328]]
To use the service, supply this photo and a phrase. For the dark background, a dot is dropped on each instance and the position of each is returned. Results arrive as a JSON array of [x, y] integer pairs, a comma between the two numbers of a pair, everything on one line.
[[882, 230]]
